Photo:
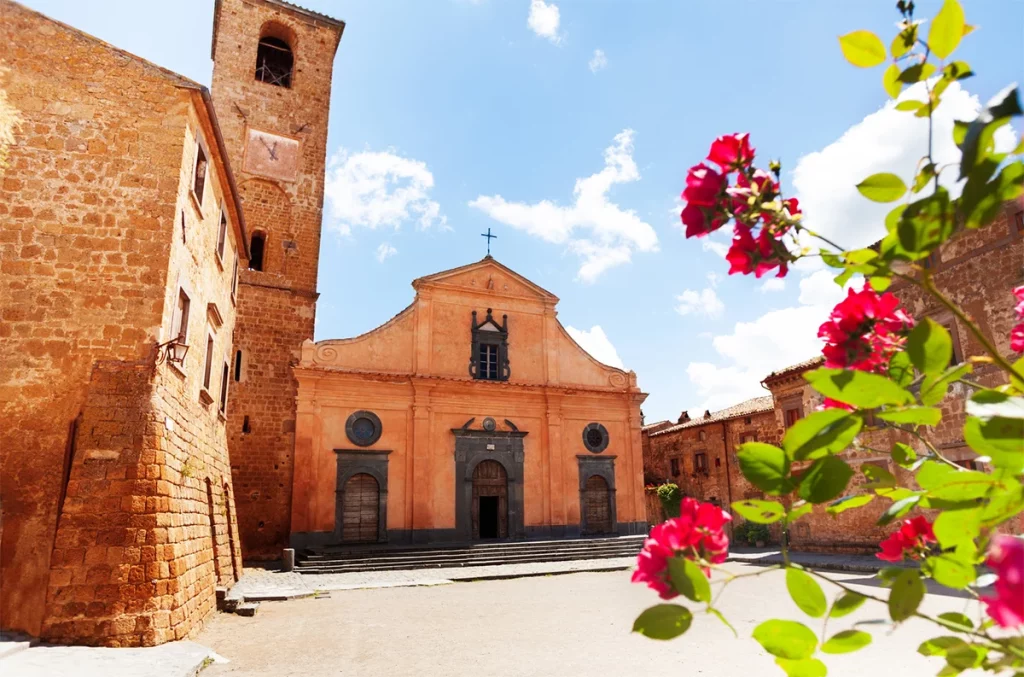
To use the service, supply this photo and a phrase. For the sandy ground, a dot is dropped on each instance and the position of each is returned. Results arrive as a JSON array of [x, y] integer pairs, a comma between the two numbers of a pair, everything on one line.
[[575, 624]]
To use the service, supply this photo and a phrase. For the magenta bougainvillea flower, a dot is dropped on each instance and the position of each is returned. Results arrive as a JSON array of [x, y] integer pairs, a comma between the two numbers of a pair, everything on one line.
[[909, 540], [732, 152], [696, 533], [864, 331], [1006, 558], [1017, 333]]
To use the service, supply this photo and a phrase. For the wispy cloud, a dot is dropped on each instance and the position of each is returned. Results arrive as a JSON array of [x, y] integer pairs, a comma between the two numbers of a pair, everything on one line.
[[703, 302], [544, 19], [598, 62], [385, 251]]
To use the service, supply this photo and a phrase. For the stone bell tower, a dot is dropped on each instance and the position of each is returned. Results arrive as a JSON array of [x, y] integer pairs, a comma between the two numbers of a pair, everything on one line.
[[272, 70]]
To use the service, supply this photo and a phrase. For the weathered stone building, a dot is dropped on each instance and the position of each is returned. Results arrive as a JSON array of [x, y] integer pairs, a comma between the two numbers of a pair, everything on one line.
[[121, 243], [471, 414], [977, 270]]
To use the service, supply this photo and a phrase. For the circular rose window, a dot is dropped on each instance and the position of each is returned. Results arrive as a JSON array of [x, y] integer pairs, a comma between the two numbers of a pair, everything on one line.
[[363, 428], [595, 438]]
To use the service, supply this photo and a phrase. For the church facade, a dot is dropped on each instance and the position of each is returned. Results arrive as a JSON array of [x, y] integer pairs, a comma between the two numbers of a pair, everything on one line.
[[470, 415]]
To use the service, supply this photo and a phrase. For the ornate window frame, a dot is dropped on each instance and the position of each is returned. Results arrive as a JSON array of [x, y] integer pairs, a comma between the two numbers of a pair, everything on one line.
[[489, 333], [602, 445], [350, 424]]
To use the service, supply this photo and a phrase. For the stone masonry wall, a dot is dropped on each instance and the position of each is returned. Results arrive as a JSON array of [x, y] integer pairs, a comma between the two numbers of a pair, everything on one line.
[[276, 305]]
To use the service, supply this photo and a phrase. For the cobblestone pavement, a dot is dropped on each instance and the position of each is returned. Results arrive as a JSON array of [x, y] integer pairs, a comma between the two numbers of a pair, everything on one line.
[[263, 584], [577, 624]]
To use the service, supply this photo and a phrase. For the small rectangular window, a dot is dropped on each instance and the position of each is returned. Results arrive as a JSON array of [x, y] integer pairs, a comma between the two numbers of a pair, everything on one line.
[[209, 362], [792, 415], [234, 277], [675, 467], [222, 235], [238, 366], [700, 462], [489, 361], [1020, 221], [179, 325], [224, 389], [748, 437], [199, 173]]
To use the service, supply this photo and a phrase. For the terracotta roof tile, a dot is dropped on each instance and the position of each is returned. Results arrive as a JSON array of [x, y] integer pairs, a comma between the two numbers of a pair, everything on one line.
[[799, 366], [755, 405]]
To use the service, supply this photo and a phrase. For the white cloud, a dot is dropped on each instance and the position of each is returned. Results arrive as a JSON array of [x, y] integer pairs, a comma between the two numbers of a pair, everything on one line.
[[703, 302], [773, 284], [544, 19], [600, 232], [598, 62], [597, 344], [885, 141], [374, 189], [385, 251]]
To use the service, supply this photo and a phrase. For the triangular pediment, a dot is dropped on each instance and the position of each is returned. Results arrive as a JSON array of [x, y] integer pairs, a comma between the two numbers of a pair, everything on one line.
[[486, 276]]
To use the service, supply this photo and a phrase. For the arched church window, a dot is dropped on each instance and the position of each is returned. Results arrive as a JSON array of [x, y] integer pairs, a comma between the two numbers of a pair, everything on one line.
[[488, 360], [256, 248], [274, 61]]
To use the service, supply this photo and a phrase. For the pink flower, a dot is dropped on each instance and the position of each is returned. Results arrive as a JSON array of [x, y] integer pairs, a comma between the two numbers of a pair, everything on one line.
[[697, 223], [1017, 333], [696, 534], [864, 331], [759, 256], [1006, 558], [731, 152], [910, 539], [703, 185]]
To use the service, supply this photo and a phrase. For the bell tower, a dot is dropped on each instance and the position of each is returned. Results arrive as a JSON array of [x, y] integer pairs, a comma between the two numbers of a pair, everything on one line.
[[272, 69]]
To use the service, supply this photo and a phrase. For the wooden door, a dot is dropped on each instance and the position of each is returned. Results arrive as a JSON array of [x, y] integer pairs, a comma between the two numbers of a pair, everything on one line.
[[490, 479], [597, 505], [360, 509]]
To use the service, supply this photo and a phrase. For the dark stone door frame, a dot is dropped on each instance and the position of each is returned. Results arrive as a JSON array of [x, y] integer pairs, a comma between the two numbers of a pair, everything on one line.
[[472, 447], [373, 463], [604, 466]]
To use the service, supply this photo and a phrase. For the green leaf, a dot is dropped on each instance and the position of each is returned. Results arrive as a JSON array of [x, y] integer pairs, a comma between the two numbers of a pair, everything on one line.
[[862, 48], [955, 526], [913, 415], [947, 29], [824, 480], [847, 502], [995, 114], [904, 42], [901, 370], [1018, 368], [903, 455], [798, 511], [909, 105], [982, 200], [688, 579], [989, 404], [957, 620], [950, 571], [938, 646], [846, 641], [882, 187], [806, 592], [859, 388], [907, 593], [933, 388], [957, 70], [761, 512], [821, 433], [998, 438], [846, 604], [786, 639], [917, 73], [926, 174], [766, 467], [807, 667], [898, 509], [878, 476], [879, 282], [1003, 504], [890, 81], [663, 621], [926, 223], [930, 347], [718, 614]]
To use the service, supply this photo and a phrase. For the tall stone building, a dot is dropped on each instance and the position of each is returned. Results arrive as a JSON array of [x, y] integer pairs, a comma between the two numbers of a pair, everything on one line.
[[275, 129], [121, 232]]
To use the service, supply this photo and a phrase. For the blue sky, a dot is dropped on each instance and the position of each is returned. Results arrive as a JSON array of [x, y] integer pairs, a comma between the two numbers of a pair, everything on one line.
[[462, 115]]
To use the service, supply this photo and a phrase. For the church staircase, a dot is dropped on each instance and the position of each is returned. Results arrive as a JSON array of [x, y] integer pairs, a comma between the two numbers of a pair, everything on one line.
[[336, 560]]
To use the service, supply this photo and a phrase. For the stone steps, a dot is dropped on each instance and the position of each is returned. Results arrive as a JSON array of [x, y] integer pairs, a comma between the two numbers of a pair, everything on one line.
[[489, 554]]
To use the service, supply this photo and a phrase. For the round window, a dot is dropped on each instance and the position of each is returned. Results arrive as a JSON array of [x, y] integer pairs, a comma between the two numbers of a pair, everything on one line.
[[595, 438], [363, 428]]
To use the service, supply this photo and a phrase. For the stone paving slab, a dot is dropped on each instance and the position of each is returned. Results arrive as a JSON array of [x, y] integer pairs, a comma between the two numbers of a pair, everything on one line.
[[827, 562], [174, 659]]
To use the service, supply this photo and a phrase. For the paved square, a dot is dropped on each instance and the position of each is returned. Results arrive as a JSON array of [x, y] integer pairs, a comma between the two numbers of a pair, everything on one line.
[[574, 624]]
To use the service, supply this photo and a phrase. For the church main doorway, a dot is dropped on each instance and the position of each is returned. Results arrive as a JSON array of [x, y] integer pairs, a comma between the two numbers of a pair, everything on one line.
[[597, 505], [359, 511], [490, 501]]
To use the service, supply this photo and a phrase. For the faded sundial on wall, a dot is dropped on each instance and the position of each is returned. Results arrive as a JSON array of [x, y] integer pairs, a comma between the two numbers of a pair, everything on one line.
[[271, 155]]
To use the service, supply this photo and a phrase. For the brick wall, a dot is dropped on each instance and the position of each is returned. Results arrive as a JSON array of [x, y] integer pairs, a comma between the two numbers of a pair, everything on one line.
[[276, 305], [93, 254]]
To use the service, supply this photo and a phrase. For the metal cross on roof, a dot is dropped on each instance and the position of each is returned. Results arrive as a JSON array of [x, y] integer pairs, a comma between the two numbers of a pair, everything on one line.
[[489, 238]]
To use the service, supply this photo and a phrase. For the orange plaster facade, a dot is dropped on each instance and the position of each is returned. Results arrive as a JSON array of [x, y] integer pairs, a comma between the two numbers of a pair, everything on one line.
[[413, 374]]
